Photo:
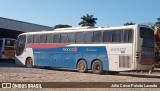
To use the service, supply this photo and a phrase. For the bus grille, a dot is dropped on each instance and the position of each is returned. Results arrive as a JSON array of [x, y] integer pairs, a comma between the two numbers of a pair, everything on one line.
[[124, 61]]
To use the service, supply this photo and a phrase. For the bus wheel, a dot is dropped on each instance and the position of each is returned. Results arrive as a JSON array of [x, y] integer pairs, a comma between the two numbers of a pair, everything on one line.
[[97, 67], [82, 66], [29, 62]]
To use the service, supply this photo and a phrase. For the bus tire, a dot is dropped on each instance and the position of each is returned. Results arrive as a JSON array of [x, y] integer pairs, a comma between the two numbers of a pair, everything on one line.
[[97, 67], [82, 66], [29, 63]]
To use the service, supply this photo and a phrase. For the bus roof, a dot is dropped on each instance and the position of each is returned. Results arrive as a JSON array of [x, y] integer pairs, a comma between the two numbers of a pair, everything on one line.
[[78, 29]]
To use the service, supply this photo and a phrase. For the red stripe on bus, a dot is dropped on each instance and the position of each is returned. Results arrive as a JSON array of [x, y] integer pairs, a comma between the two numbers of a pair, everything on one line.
[[147, 61], [47, 45]]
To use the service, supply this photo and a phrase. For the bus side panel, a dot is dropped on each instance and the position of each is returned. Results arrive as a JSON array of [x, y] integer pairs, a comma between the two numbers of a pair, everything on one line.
[[54, 57], [91, 53], [68, 56], [43, 59], [103, 56], [120, 57], [53, 62], [89, 57]]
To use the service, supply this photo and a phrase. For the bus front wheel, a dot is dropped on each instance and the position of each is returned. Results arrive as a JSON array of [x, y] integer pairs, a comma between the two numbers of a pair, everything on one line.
[[29, 62], [97, 67], [82, 66]]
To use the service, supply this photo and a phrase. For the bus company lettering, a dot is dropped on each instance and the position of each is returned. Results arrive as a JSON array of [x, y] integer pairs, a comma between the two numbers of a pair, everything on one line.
[[91, 50], [119, 49], [70, 49], [147, 52]]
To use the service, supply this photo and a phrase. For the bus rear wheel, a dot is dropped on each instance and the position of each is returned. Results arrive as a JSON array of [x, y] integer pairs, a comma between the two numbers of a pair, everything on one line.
[[82, 66], [29, 62], [97, 67]]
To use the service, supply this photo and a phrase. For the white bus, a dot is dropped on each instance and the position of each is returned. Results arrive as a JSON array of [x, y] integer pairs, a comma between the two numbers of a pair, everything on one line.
[[111, 49], [7, 51]]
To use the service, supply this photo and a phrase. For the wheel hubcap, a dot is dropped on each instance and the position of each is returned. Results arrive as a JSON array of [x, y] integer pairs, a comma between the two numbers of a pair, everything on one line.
[[97, 67], [81, 66]]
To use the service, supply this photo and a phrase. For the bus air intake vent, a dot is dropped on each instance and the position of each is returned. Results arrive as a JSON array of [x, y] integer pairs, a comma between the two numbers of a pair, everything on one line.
[[124, 61]]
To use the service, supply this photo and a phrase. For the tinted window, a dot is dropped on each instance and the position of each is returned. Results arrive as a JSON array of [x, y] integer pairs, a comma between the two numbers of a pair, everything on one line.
[[130, 36], [117, 35], [56, 38], [36, 38], [88, 37], [107, 36], [148, 37], [146, 33], [1, 42], [20, 44], [30, 38], [127, 36], [22, 39], [97, 36], [43, 38], [49, 38], [79, 37], [71, 37], [63, 38]]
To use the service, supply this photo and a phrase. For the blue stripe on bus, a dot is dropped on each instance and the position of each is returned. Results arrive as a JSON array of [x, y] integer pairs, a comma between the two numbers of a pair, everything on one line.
[[68, 56]]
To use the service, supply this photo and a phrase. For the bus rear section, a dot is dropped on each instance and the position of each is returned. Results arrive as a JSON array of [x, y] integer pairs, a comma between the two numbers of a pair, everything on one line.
[[145, 49], [7, 51]]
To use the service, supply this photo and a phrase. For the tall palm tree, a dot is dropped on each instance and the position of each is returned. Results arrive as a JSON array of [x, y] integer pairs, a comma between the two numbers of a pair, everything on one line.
[[88, 20]]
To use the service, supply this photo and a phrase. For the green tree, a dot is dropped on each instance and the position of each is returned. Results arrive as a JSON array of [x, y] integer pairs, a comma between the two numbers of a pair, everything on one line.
[[158, 22], [88, 20], [129, 23], [157, 44], [61, 26]]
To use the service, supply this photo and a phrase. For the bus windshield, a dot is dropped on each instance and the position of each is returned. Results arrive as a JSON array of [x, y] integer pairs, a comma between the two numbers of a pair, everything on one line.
[[20, 44]]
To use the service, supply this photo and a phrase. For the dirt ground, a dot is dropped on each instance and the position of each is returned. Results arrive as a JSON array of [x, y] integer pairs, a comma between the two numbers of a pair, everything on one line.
[[10, 72]]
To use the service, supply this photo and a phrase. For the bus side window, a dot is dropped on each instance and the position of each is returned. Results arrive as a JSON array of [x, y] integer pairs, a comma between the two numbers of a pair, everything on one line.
[[56, 38], [36, 38], [79, 37], [71, 37], [63, 38], [88, 37], [130, 36], [127, 36], [97, 36], [49, 38], [29, 39], [107, 36], [117, 36], [43, 38]]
